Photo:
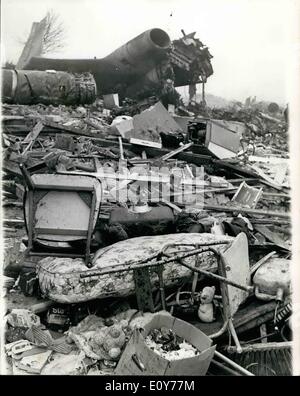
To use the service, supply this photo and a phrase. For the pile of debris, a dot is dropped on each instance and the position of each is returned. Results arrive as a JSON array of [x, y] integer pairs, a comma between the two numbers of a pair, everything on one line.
[[114, 210], [169, 345]]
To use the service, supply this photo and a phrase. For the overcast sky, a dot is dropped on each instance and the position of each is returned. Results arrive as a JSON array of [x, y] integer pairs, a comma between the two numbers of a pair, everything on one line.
[[250, 40]]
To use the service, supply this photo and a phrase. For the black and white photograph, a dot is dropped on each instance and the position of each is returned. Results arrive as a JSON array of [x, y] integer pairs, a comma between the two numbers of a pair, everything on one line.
[[150, 181]]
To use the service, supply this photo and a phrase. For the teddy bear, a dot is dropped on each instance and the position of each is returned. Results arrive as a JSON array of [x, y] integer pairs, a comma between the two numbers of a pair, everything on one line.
[[206, 308], [110, 341]]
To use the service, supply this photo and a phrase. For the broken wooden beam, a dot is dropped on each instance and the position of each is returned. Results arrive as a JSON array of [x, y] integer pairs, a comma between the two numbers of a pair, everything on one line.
[[171, 205], [70, 129], [11, 167], [244, 172], [265, 178], [32, 136], [121, 148], [258, 212], [262, 346], [175, 152], [14, 222]]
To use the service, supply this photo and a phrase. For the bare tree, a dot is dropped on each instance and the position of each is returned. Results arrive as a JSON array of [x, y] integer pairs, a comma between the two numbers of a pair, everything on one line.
[[54, 36], [45, 36]]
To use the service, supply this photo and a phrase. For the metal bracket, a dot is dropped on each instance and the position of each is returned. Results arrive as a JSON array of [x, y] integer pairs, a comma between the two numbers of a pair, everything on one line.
[[143, 289]]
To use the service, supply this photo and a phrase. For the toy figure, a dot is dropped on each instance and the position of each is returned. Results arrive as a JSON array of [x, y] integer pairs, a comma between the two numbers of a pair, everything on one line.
[[206, 308]]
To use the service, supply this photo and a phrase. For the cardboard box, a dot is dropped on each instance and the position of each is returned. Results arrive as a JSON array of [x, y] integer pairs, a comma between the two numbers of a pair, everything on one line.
[[139, 359]]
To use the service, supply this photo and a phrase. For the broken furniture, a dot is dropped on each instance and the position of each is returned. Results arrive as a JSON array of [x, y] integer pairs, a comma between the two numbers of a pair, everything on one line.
[[234, 265], [60, 209], [234, 277], [112, 272], [152, 269], [247, 196], [69, 280]]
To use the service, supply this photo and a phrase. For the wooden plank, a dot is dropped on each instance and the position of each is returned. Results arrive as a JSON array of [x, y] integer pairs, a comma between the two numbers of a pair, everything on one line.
[[263, 346], [121, 148], [271, 182], [171, 205], [13, 222], [11, 167], [133, 177], [12, 117], [177, 151], [145, 143], [246, 179], [65, 128], [268, 213], [197, 159], [243, 172], [276, 195], [252, 312], [33, 135], [263, 333], [271, 221], [12, 203]]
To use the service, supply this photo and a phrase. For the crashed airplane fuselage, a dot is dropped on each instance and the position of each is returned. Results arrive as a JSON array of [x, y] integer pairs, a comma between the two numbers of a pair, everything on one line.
[[142, 67]]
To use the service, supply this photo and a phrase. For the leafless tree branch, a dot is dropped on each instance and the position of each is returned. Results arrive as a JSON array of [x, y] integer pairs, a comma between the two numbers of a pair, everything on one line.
[[54, 36]]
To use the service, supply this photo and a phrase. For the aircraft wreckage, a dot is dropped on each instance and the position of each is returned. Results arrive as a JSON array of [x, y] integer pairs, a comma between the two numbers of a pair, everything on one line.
[[149, 64], [142, 239]]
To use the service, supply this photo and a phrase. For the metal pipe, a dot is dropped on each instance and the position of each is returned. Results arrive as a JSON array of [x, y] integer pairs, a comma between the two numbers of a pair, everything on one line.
[[262, 346], [128, 266], [234, 335], [255, 267], [233, 364], [221, 331], [210, 274], [225, 368]]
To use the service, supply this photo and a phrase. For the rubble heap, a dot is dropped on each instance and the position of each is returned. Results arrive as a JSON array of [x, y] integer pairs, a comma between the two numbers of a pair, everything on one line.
[[133, 210]]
